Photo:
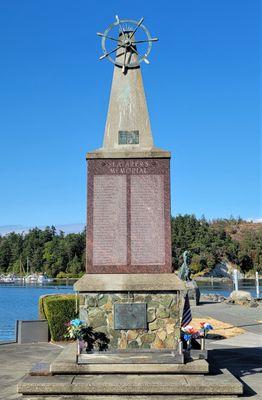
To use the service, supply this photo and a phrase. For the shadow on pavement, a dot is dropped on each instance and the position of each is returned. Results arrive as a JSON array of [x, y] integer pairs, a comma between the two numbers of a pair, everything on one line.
[[240, 362]]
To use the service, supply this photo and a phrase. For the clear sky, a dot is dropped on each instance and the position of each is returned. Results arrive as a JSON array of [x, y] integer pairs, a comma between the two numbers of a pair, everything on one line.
[[202, 88]]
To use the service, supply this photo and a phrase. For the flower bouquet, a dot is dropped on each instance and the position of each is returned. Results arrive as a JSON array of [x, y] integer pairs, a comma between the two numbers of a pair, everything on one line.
[[88, 340], [75, 329], [205, 327], [189, 334]]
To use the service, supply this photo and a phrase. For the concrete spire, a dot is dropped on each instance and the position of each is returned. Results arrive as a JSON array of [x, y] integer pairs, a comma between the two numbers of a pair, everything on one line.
[[128, 131], [128, 124]]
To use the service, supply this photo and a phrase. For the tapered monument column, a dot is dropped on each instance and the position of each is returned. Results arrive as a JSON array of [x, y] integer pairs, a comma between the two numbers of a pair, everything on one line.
[[130, 292], [128, 224]]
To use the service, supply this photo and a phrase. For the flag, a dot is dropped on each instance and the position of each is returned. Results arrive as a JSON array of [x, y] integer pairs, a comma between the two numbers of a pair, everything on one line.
[[187, 316]]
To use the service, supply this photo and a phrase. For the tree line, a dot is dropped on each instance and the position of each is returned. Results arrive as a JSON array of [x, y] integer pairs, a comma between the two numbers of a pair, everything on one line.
[[48, 251], [209, 242]]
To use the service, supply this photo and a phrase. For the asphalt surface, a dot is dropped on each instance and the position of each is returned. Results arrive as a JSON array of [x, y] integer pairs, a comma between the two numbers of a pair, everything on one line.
[[250, 319], [16, 360], [242, 354]]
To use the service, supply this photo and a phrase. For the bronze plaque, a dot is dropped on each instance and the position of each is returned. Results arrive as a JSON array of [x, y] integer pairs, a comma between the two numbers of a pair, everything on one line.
[[130, 316], [128, 137]]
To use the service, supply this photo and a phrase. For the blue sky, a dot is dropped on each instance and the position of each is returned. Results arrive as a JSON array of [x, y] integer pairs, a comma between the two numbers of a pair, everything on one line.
[[202, 88]]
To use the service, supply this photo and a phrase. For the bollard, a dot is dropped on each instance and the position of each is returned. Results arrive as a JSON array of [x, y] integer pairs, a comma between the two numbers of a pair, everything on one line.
[[76, 305], [180, 347], [235, 277], [257, 284]]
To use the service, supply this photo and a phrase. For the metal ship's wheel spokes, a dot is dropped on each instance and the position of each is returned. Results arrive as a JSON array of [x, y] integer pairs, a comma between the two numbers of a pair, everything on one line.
[[126, 41], [146, 41], [139, 55], [107, 37], [110, 52], [121, 27], [138, 25]]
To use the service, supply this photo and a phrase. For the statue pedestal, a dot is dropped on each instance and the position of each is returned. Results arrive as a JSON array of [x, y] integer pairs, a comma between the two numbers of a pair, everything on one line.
[[193, 293], [134, 311]]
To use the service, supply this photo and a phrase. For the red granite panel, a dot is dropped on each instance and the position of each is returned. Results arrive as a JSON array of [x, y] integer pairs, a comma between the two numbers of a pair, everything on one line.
[[132, 196], [109, 220], [147, 220]]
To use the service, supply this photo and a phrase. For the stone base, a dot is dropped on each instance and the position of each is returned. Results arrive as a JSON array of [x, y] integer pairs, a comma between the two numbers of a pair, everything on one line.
[[162, 313], [193, 293], [90, 283], [160, 293], [110, 385], [65, 380], [128, 363]]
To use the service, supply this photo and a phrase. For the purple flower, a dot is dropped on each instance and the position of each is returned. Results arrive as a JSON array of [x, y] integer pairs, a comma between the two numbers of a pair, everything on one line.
[[82, 345]]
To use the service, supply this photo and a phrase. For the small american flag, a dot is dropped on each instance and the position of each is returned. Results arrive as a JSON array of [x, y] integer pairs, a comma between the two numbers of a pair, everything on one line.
[[187, 316]]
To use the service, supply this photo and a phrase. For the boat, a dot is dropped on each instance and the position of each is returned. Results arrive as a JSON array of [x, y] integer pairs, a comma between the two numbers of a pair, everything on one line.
[[33, 278], [42, 278], [9, 278], [38, 279]]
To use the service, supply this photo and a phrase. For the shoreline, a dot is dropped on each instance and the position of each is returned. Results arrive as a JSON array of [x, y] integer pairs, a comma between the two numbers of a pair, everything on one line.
[[220, 279]]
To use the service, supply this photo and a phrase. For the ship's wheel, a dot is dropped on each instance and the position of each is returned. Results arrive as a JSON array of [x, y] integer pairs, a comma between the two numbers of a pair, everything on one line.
[[125, 37]]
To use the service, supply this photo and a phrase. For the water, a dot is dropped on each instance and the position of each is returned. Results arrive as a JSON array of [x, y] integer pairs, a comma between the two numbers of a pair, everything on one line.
[[225, 288], [19, 302]]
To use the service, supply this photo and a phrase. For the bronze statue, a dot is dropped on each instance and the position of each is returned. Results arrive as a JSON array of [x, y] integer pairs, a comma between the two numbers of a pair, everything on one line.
[[184, 271]]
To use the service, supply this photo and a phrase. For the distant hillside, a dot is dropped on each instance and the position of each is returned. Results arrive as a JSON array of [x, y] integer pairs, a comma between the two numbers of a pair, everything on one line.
[[237, 229], [5, 229], [231, 241]]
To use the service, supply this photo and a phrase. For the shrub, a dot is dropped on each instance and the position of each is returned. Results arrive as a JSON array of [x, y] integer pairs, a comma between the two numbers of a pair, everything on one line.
[[58, 309], [41, 311]]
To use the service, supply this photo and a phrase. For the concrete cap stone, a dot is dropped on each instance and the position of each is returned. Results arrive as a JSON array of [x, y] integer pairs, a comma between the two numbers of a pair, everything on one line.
[[129, 283]]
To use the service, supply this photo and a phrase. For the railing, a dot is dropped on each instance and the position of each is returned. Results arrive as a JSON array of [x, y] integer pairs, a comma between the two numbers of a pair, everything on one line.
[[225, 286]]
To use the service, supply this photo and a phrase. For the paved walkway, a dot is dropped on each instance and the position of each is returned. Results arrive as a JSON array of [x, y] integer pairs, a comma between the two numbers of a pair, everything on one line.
[[242, 354], [17, 360], [247, 318]]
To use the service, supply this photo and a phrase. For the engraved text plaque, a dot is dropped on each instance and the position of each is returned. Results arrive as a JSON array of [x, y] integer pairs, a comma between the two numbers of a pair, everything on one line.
[[128, 137], [130, 316]]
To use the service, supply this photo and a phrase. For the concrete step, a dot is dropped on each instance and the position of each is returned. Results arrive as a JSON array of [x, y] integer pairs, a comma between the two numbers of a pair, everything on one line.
[[128, 397], [132, 357], [127, 363], [122, 384], [40, 369], [63, 367]]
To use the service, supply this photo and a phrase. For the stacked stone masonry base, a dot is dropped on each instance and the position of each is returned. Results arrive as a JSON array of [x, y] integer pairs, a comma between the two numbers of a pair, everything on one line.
[[163, 319]]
